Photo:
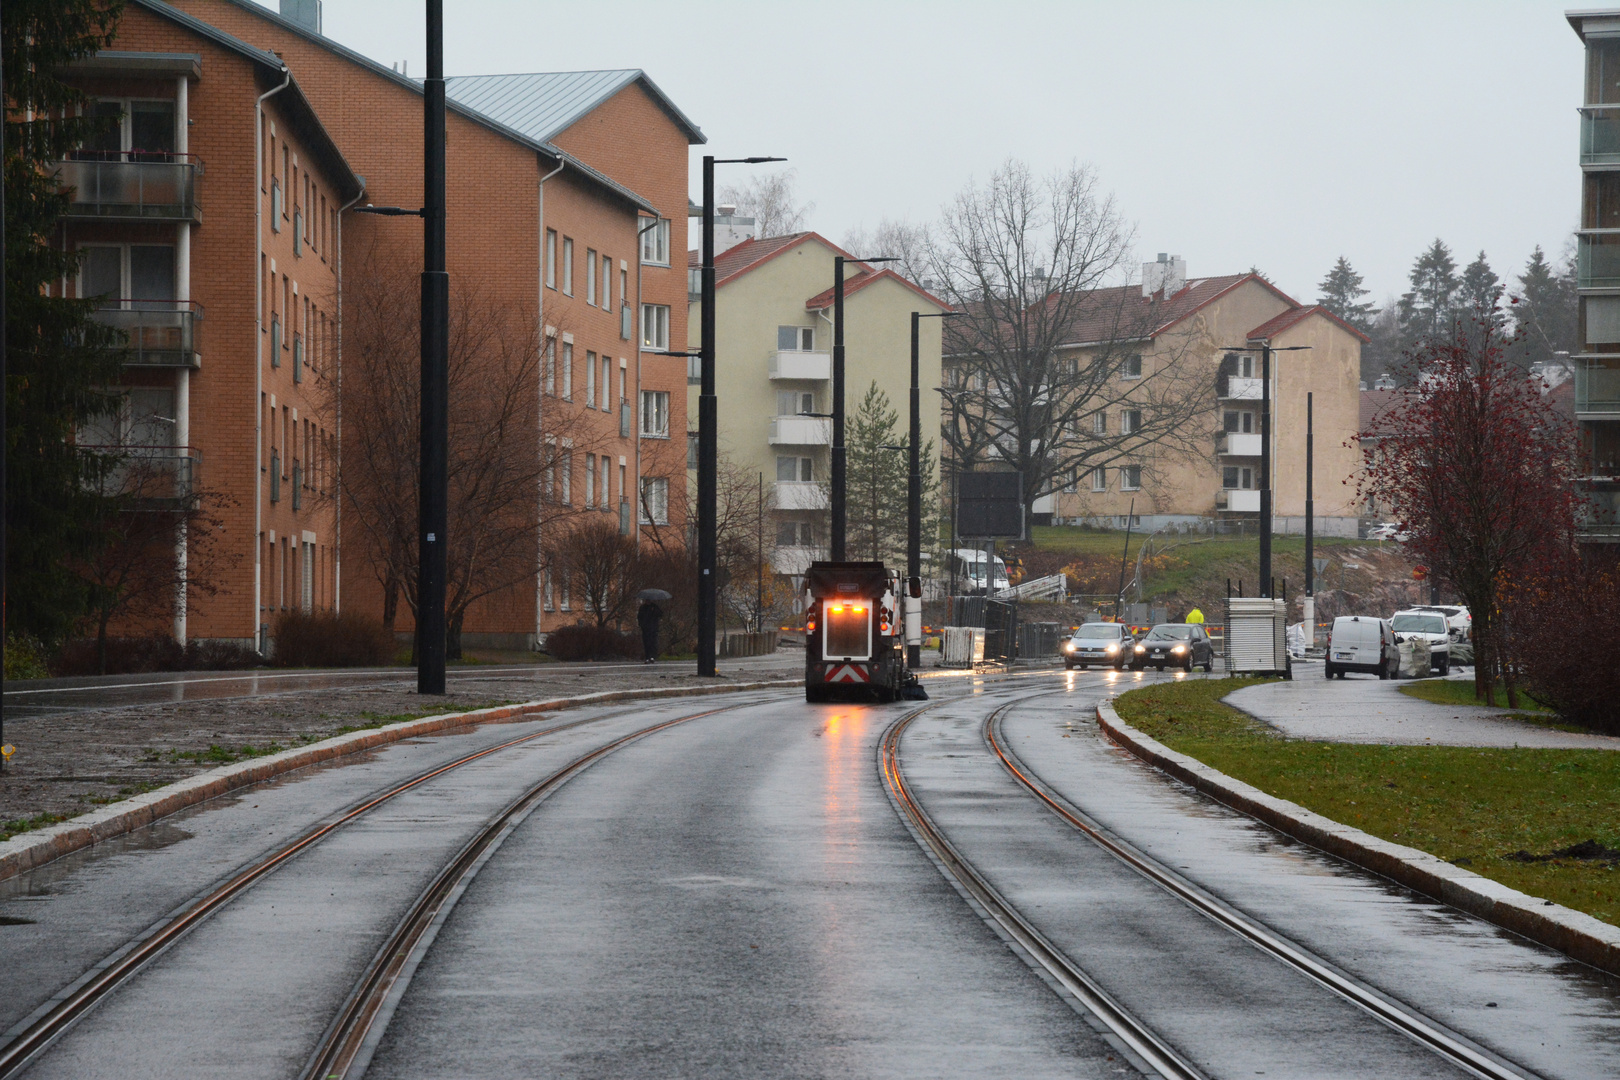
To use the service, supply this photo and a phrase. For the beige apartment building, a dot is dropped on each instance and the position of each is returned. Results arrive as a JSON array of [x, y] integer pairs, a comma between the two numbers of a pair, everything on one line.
[[1199, 321], [774, 337]]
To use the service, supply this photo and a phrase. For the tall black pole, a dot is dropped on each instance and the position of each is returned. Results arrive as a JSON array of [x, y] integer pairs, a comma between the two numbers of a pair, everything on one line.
[[708, 443], [435, 431], [1119, 597], [5, 396], [759, 561], [956, 481], [838, 478], [1310, 506], [914, 485], [1265, 470]]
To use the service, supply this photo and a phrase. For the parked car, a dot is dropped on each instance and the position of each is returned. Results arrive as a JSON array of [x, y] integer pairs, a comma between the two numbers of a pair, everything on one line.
[[1099, 643], [1363, 643], [1182, 645], [1389, 530], [1458, 619], [1430, 626]]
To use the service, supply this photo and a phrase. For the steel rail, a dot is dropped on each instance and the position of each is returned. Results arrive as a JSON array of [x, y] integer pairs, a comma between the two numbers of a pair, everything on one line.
[[1132, 1032], [79, 999], [347, 1043], [1425, 1032]]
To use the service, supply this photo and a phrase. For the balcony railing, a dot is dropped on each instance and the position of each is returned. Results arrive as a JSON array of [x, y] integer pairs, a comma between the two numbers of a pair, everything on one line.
[[1240, 444], [1239, 501], [800, 431], [1600, 515], [1237, 388], [801, 365], [132, 187], [1597, 385], [1597, 259], [151, 477], [156, 333], [800, 495], [1600, 135]]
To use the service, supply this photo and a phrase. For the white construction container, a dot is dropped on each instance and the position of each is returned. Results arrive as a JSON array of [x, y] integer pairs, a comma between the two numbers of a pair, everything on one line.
[[1257, 636]]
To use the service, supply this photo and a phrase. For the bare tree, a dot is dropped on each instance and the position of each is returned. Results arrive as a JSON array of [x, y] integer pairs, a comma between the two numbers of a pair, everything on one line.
[[772, 200], [1052, 333], [499, 455], [602, 568], [903, 239]]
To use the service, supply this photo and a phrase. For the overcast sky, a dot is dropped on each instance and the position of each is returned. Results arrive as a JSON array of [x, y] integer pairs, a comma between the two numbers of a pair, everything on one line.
[[1277, 135]]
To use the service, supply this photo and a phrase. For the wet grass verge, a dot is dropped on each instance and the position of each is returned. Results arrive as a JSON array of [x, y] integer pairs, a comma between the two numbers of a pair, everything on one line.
[[1461, 692], [1545, 822], [11, 828]]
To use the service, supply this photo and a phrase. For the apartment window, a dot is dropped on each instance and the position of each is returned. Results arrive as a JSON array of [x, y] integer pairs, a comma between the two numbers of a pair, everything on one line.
[[655, 326], [607, 283], [655, 414], [691, 450], [568, 265], [624, 288], [607, 383], [568, 371], [567, 591], [796, 339], [550, 363], [1099, 422], [655, 244], [795, 402], [590, 379], [654, 500], [1099, 479], [1234, 422], [276, 209], [1132, 367], [1069, 481], [590, 278], [1130, 478], [590, 481], [1246, 366], [551, 258], [795, 534], [546, 600], [606, 466], [789, 469], [1233, 476], [566, 467], [1130, 421]]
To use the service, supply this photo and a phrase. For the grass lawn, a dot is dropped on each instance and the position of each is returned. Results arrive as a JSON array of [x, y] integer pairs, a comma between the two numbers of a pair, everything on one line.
[[1461, 692], [1500, 813]]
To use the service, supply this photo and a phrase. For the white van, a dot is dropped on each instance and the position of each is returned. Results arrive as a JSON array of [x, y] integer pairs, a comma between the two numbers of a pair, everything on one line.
[[970, 567], [1426, 624], [1362, 643]]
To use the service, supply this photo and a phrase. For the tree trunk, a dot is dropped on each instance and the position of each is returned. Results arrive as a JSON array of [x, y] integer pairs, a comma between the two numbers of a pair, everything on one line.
[[101, 643], [452, 634], [390, 602]]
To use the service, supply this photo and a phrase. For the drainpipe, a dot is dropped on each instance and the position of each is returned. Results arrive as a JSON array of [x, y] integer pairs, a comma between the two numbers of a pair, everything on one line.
[[258, 347], [337, 434], [635, 336], [540, 492], [182, 378]]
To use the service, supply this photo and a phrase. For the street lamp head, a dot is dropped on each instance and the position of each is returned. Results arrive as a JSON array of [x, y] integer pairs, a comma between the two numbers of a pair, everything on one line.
[[389, 211], [938, 314], [745, 160]]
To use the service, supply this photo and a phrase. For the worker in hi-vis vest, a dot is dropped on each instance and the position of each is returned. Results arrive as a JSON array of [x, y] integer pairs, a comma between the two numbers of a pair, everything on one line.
[[1195, 616]]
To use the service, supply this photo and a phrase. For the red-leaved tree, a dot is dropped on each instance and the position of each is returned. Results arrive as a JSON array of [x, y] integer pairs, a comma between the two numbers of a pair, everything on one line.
[[1477, 467]]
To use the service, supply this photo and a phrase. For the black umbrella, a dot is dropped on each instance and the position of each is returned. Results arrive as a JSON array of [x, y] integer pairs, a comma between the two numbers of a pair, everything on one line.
[[652, 594]]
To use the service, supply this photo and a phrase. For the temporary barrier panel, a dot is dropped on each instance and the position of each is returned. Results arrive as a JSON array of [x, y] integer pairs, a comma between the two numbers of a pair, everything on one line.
[[1256, 636]]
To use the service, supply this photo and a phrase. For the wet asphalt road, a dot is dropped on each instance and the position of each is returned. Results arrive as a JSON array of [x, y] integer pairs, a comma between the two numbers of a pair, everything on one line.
[[737, 897]]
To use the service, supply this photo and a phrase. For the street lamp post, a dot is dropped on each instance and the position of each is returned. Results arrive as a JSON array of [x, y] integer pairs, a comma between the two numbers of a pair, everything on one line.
[[839, 477], [953, 397], [1265, 350], [914, 488], [708, 430], [1309, 603]]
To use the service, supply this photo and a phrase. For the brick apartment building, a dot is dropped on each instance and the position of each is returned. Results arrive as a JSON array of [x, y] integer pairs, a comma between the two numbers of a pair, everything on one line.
[[218, 265], [566, 195]]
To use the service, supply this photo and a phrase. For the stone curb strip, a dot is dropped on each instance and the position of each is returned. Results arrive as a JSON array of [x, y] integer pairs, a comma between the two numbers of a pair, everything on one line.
[[31, 849], [1571, 932]]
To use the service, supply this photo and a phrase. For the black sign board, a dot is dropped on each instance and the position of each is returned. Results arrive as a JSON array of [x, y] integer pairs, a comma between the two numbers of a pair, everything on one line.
[[990, 505]]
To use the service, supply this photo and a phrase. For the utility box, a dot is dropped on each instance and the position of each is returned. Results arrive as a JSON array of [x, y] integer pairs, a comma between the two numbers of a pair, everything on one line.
[[1257, 636]]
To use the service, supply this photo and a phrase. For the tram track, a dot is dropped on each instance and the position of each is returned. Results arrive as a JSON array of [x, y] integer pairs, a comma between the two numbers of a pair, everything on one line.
[[60, 1013], [1421, 1030]]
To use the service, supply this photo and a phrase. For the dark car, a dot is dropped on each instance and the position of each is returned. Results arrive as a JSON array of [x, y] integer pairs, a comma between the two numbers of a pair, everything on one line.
[[1182, 645], [1099, 643]]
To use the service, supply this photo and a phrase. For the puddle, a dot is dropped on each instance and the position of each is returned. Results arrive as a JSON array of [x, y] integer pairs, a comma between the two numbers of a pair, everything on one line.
[[46, 881]]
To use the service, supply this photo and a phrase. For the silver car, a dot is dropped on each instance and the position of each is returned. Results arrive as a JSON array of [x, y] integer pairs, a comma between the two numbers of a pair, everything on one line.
[[1101, 643]]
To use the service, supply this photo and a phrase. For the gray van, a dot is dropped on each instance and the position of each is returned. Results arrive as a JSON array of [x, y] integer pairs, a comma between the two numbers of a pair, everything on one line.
[[1362, 643]]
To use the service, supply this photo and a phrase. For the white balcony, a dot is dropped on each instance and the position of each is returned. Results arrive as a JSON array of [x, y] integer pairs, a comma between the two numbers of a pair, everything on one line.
[[1240, 501], [800, 431], [1240, 389], [800, 495], [1238, 444], [801, 365]]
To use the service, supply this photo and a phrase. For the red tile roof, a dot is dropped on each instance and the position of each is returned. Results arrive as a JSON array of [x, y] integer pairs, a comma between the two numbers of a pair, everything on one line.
[[749, 254], [1104, 313], [1268, 330], [1375, 405], [824, 299]]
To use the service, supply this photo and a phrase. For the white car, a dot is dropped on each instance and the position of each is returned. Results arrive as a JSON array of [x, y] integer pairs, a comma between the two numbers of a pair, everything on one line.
[[1418, 624], [1458, 619], [1389, 530], [1362, 643]]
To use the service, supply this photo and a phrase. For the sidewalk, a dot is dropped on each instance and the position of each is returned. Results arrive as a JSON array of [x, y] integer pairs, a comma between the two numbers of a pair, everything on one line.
[[1360, 709]]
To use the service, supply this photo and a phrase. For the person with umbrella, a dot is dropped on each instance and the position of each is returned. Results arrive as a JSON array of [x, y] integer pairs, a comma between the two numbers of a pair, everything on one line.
[[647, 617]]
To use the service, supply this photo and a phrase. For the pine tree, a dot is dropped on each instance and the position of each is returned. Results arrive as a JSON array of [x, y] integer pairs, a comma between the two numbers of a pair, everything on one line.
[[1341, 292], [876, 478], [1479, 292], [1427, 310], [1545, 311], [57, 358]]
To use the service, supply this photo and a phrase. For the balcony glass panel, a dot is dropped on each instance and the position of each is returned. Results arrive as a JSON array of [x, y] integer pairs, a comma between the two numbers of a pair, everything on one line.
[[800, 431], [800, 495], [1239, 501], [1597, 385], [1602, 71], [1600, 448], [1235, 387], [155, 334], [151, 477], [1237, 444], [124, 187], [792, 364], [1600, 136], [1598, 260], [1600, 514]]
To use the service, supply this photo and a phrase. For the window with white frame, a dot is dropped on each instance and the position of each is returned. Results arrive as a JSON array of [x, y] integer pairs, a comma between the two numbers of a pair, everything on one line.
[[604, 489], [551, 258], [568, 265], [1132, 367], [795, 534], [789, 469], [691, 450], [607, 283], [590, 481], [590, 378], [606, 383], [655, 244], [1099, 479], [568, 371], [1130, 478], [654, 500], [655, 326], [1237, 478], [655, 414], [565, 493], [1069, 482], [1130, 421], [549, 361], [546, 600], [590, 276], [1099, 422], [1235, 422], [567, 599], [796, 339], [795, 402]]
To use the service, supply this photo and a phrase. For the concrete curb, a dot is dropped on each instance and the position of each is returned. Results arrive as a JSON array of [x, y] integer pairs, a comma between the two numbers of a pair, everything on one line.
[[1571, 932], [31, 849]]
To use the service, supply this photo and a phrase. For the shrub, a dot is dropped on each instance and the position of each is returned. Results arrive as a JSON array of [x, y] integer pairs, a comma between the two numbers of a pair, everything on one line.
[[1557, 620], [585, 642], [140, 655], [331, 639], [25, 657]]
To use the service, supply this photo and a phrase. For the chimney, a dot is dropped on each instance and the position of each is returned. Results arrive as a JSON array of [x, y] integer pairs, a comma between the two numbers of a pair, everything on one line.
[[306, 13], [725, 210]]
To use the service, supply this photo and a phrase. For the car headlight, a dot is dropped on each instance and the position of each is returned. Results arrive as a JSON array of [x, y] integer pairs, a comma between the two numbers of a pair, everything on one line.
[[1111, 647], [1179, 649], [1068, 646], [1141, 648]]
